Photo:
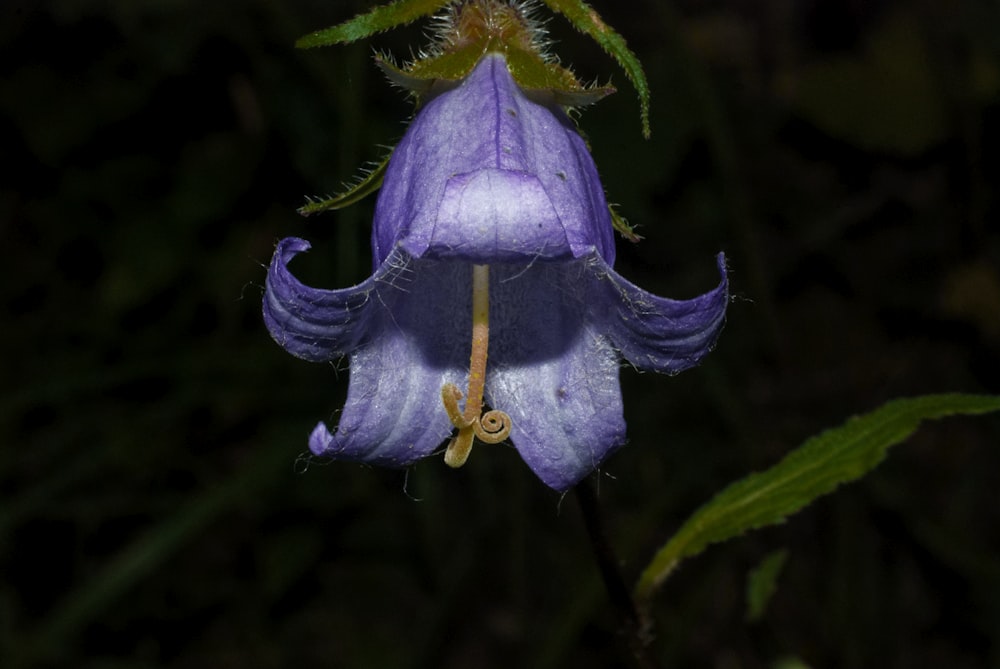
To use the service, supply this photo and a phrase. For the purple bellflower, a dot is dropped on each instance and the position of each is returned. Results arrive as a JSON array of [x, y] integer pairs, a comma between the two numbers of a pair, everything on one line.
[[491, 221]]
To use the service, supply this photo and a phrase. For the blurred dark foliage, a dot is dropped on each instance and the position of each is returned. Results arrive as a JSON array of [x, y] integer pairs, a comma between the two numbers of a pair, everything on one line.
[[156, 509]]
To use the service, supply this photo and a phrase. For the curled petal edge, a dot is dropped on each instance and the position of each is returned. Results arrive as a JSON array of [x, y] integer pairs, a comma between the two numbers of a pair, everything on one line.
[[311, 323], [659, 334]]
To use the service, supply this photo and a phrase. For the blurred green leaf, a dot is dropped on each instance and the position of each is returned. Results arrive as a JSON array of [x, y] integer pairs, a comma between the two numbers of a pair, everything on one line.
[[762, 582], [816, 468], [150, 552], [885, 97], [789, 663]]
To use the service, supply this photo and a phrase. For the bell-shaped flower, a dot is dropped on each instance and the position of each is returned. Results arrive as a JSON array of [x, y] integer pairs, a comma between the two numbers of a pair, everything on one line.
[[493, 252]]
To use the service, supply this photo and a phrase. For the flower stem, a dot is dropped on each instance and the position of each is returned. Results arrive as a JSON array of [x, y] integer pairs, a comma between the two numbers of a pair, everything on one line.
[[634, 626]]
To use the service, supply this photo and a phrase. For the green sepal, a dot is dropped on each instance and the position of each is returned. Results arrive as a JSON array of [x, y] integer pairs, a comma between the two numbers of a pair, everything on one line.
[[400, 77], [368, 184], [540, 78], [532, 71], [419, 77], [623, 227], [546, 81], [377, 20], [586, 20]]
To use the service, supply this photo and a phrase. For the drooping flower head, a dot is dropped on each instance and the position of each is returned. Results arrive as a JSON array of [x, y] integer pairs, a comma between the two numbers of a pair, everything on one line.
[[493, 312]]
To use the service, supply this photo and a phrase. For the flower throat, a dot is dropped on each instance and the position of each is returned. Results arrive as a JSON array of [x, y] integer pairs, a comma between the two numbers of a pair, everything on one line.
[[493, 426]]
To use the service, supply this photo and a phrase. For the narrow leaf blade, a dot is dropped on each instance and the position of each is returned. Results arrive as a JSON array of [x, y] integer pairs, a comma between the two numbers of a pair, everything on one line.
[[365, 186], [816, 468], [585, 19], [377, 20]]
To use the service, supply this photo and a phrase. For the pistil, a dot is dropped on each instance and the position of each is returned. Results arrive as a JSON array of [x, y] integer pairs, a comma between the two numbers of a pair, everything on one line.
[[493, 426]]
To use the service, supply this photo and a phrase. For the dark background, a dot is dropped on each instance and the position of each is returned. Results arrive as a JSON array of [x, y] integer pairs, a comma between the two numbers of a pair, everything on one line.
[[156, 510]]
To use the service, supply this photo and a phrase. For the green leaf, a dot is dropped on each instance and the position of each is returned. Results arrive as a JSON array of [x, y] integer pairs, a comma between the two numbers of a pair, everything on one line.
[[377, 20], [762, 582], [366, 185], [814, 469], [586, 20]]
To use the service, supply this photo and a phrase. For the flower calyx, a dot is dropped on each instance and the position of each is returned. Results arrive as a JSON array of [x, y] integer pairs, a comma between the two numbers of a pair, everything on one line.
[[472, 29]]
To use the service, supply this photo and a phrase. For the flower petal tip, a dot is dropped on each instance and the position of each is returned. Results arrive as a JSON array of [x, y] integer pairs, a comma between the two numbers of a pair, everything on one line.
[[320, 439]]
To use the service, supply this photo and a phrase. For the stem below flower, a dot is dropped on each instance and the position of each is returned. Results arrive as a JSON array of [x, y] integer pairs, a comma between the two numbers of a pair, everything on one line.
[[635, 626], [494, 426]]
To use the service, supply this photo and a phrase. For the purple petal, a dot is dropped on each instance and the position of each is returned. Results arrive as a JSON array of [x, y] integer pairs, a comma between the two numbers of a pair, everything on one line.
[[394, 414], [659, 334], [491, 212], [553, 372], [485, 174], [313, 324]]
